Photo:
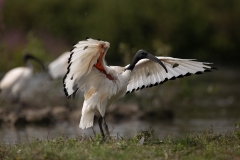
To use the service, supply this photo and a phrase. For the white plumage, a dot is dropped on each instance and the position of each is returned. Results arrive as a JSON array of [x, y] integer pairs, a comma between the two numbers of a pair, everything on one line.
[[103, 84], [147, 73], [58, 67], [15, 80]]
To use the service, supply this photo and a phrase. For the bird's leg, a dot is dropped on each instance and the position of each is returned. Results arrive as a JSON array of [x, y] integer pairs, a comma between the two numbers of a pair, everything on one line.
[[18, 108], [100, 126], [106, 126], [93, 131], [18, 103]]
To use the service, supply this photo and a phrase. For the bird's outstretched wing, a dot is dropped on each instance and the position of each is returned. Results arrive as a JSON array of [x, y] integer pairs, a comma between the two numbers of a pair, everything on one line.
[[148, 73], [83, 57], [58, 67]]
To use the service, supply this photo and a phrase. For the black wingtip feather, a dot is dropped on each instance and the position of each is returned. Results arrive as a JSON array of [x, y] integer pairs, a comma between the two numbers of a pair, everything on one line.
[[207, 70], [187, 74], [214, 68], [198, 72], [165, 80], [74, 93], [143, 87], [180, 76], [68, 70], [65, 91], [70, 57]]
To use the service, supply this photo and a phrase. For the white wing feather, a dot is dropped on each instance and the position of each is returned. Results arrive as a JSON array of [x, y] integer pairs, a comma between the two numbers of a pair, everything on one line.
[[84, 55], [58, 67], [148, 73]]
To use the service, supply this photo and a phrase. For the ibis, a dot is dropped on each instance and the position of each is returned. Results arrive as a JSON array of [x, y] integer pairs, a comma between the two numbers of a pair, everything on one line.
[[103, 84], [58, 67], [15, 80]]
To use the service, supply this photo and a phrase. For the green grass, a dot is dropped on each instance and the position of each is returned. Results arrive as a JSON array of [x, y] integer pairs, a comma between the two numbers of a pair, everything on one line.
[[192, 146]]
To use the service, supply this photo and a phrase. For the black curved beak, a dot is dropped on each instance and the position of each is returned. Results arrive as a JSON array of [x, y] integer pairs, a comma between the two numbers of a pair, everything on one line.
[[155, 59]]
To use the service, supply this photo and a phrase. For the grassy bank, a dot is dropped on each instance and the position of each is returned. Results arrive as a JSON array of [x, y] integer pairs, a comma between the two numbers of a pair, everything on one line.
[[192, 146]]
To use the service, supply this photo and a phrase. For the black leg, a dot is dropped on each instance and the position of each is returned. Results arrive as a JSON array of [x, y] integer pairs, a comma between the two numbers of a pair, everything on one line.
[[93, 131], [100, 126], [18, 108], [106, 127]]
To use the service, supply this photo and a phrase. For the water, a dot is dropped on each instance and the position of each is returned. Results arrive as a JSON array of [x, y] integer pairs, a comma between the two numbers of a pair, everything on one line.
[[10, 135], [210, 105]]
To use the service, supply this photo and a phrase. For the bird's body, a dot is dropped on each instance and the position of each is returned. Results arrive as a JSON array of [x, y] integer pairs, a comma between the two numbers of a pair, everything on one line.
[[100, 92], [103, 84], [15, 80], [58, 67]]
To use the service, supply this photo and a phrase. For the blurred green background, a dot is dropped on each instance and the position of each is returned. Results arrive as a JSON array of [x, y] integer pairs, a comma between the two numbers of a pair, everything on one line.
[[205, 30]]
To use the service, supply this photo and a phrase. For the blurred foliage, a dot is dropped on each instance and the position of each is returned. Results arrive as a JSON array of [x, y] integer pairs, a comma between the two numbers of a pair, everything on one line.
[[33, 46], [206, 30]]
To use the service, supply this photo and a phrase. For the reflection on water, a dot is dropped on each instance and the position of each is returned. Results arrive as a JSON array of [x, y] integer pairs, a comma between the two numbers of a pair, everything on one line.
[[161, 129]]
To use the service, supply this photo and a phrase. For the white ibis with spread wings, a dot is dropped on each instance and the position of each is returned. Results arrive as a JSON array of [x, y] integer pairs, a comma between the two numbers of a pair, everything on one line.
[[103, 84]]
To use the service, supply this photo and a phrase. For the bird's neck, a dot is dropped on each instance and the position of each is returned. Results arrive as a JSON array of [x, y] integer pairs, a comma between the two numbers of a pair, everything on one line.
[[132, 64], [29, 65], [100, 66]]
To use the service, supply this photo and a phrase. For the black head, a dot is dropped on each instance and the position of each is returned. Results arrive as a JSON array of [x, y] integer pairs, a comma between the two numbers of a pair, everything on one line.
[[28, 56], [142, 54]]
